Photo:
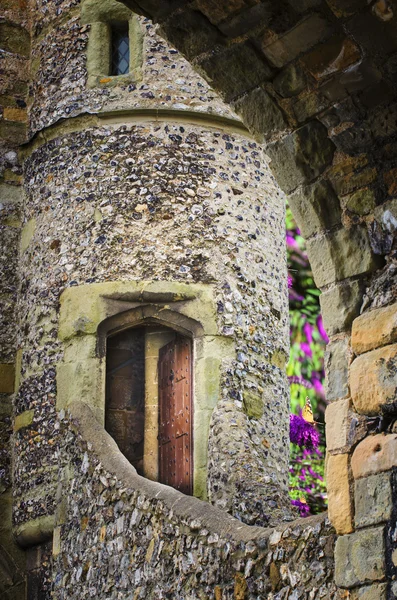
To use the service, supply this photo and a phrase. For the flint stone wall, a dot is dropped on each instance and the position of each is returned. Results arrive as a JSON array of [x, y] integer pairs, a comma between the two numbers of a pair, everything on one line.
[[122, 536], [58, 89], [165, 202]]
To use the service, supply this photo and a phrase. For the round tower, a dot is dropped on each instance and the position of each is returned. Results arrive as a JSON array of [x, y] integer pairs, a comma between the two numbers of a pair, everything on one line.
[[153, 272]]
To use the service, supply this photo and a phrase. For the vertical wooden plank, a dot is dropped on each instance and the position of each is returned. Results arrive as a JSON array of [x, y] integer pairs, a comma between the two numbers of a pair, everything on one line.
[[175, 409]]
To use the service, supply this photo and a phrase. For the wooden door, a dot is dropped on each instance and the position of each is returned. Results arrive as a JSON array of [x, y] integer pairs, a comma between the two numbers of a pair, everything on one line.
[[175, 415]]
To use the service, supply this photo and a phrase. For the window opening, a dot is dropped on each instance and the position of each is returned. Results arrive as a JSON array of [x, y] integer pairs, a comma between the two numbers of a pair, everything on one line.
[[120, 63], [149, 407]]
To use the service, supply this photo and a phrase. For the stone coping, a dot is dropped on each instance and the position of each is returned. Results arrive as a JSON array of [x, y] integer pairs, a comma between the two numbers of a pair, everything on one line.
[[199, 514]]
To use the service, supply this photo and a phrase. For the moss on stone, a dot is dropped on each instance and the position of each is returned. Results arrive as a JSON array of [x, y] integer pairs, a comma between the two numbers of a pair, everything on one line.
[[23, 420], [7, 377], [27, 234], [252, 404]]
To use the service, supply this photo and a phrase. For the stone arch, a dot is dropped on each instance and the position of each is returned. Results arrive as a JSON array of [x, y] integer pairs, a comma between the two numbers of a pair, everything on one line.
[[147, 314], [316, 82], [309, 80]]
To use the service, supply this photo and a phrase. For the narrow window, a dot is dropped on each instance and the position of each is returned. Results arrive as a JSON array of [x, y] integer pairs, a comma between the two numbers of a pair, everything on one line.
[[120, 49]]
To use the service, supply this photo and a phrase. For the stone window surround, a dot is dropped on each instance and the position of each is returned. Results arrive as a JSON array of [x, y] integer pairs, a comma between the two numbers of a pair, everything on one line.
[[100, 15], [91, 312]]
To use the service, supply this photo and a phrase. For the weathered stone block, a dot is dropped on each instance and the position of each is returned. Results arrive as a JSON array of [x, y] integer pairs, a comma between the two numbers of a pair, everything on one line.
[[344, 8], [353, 181], [373, 499], [290, 82], [373, 380], [339, 501], [375, 454], [374, 329], [340, 305], [94, 12], [309, 105], [361, 202], [371, 592], [339, 255], [337, 358], [218, 11], [373, 34], [260, 112], [245, 21], [360, 76], [336, 54], [236, 70], [192, 33], [386, 214], [14, 39], [15, 114], [27, 234], [303, 36], [315, 207], [10, 193], [337, 424], [301, 156], [359, 558], [391, 181]]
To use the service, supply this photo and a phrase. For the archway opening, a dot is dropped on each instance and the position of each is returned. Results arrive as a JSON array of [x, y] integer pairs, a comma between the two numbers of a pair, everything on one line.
[[149, 402], [306, 375]]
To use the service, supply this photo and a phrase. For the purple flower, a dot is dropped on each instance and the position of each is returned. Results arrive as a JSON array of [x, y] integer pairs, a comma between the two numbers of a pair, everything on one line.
[[294, 296], [306, 349], [300, 381], [307, 330], [318, 386], [302, 433], [303, 508], [321, 329], [291, 242], [290, 281]]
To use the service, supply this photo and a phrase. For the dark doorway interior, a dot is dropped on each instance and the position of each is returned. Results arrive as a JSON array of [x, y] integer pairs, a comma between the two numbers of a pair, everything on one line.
[[125, 393]]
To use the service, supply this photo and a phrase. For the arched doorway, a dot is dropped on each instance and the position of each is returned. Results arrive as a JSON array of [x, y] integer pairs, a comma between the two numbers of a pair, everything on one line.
[[148, 408]]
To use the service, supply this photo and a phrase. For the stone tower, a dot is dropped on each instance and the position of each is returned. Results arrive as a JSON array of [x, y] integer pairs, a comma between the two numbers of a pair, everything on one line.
[[148, 214]]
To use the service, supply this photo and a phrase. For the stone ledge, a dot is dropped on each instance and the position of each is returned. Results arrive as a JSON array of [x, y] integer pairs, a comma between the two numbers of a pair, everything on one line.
[[185, 507], [197, 512]]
